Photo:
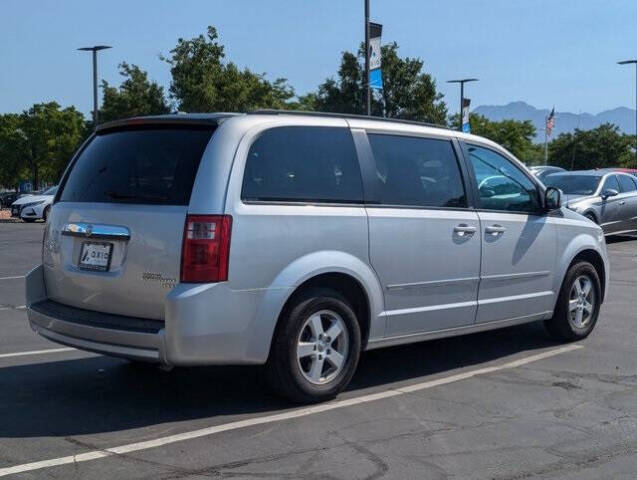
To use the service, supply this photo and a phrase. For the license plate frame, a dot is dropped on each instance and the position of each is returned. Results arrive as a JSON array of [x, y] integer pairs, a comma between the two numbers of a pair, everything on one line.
[[97, 266]]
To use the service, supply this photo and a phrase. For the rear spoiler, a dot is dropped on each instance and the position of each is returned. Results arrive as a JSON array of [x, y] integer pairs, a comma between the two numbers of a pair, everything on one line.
[[202, 120]]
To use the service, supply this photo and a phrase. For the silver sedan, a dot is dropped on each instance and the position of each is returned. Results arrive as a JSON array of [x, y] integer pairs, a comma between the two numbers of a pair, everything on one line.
[[607, 198]]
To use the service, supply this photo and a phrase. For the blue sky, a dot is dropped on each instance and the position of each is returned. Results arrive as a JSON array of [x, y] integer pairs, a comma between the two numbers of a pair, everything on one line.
[[544, 52]]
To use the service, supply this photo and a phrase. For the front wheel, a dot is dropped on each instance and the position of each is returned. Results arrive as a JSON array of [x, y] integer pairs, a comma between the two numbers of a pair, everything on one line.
[[578, 304], [315, 348], [591, 217]]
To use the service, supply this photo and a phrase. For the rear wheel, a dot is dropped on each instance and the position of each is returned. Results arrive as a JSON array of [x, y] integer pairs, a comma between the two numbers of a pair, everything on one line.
[[578, 304], [28, 220], [45, 214], [315, 348]]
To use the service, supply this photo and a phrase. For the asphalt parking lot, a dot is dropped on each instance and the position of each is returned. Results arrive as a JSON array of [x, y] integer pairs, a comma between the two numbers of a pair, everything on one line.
[[510, 404]]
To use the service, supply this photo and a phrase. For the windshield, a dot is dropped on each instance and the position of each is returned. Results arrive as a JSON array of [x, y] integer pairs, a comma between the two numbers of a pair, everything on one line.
[[573, 184], [50, 191], [144, 165]]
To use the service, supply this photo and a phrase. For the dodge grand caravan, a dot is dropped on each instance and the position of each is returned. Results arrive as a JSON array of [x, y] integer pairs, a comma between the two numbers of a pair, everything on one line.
[[299, 240]]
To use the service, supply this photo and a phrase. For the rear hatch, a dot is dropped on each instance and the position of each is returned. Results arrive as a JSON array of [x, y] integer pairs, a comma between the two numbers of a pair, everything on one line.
[[113, 243]]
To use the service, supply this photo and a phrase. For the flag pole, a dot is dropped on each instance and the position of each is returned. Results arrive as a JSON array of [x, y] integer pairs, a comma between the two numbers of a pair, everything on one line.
[[546, 141]]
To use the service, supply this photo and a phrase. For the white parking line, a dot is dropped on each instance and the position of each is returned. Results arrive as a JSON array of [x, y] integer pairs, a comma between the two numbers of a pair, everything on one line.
[[36, 352], [297, 413], [19, 307], [12, 278]]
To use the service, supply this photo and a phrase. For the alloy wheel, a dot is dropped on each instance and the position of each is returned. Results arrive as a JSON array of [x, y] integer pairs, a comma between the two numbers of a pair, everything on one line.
[[581, 304], [322, 347]]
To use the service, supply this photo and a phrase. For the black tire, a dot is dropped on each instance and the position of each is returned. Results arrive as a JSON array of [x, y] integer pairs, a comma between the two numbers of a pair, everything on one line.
[[284, 371], [562, 326], [591, 217], [28, 220], [45, 214]]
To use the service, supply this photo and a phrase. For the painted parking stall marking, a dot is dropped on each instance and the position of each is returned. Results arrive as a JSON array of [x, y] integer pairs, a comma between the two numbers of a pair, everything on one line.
[[36, 352], [297, 413]]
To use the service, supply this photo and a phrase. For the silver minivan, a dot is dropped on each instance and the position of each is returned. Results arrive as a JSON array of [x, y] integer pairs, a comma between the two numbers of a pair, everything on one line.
[[299, 240]]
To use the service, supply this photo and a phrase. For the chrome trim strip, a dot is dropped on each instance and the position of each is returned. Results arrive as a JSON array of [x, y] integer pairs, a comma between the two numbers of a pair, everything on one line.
[[432, 283], [432, 308], [456, 331], [514, 298], [516, 276], [90, 230]]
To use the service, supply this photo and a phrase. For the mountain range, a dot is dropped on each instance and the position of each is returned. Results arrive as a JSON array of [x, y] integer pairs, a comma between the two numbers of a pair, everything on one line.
[[565, 122]]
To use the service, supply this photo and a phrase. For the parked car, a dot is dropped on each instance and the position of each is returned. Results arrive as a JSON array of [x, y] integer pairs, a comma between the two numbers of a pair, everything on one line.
[[606, 197], [34, 206], [299, 240], [7, 198], [541, 171]]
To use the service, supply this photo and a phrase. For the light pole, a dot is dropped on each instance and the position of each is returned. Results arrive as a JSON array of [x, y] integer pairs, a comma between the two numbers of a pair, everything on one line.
[[368, 97], [626, 62], [462, 82], [94, 49]]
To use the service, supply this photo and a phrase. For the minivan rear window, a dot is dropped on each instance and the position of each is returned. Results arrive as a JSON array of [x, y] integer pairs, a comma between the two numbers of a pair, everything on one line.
[[141, 165]]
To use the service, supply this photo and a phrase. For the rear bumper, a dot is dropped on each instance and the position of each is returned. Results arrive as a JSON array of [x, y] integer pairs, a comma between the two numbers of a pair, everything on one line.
[[206, 324], [94, 332]]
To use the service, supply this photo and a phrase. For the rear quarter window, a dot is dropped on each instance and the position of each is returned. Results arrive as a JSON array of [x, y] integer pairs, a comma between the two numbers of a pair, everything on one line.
[[144, 165], [303, 164]]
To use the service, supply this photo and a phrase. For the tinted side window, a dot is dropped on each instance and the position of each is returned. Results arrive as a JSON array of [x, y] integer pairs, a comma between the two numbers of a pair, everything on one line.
[[501, 185], [626, 183], [303, 164], [611, 182], [417, 171], [146, 165]]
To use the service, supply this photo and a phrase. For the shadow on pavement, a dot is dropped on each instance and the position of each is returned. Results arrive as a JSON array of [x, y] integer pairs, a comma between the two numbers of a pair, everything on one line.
[[100, 394], [627, 237]]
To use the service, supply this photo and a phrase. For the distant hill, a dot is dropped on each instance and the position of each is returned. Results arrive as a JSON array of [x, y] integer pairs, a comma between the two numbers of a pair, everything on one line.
[[623, 117]]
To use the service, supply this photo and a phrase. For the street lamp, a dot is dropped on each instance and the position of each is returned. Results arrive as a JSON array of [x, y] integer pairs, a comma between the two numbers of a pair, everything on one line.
[[368, 97], [462, 82], [94, 49], [626, 62]]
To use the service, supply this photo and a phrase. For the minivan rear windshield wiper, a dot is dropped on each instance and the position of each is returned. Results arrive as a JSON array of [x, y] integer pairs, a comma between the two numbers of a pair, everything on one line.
[[136, 196]]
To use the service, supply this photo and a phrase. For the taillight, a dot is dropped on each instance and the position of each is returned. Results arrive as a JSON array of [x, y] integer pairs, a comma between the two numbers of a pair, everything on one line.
[[206, 248]]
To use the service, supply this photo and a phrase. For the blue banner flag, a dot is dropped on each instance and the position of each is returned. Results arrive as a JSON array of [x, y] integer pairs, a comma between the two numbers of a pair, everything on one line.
[[375, 75], [466, 127]]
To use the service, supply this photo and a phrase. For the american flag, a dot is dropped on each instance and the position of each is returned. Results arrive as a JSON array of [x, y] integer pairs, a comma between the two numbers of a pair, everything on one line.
[[550, 122]]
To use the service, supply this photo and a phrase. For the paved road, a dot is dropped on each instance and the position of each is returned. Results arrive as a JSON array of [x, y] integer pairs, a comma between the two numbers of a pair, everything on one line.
[[510, 404]]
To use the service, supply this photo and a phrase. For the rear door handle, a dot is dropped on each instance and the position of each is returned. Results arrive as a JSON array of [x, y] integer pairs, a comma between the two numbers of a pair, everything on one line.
[[495, 230], [464, 229]]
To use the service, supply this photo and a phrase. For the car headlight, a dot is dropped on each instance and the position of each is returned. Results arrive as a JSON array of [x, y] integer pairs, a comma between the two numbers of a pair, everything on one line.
[[32, 204]]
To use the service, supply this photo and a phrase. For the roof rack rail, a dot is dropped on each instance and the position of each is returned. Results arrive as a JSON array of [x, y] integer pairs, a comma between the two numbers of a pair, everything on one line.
[[345, 116]]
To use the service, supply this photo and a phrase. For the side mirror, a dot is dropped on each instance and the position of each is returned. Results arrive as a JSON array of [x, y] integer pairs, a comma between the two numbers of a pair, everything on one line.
[[609, 192], [552, 198]]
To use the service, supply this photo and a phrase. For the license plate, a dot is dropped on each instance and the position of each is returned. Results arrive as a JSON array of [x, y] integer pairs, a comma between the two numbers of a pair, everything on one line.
[[96, 256]]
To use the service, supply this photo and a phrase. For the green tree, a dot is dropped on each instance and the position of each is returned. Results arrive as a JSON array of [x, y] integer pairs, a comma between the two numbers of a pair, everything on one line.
[[516, 136], [135, 96], [11, 167], [604, 146], [40, 142], [203, 81], [407, 92]]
